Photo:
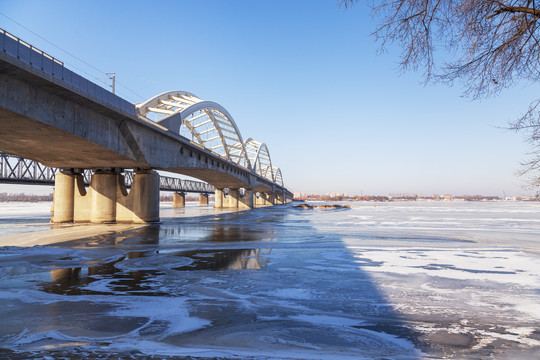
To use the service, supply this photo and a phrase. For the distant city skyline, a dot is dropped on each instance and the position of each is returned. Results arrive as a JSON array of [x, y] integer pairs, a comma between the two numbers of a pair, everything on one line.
[[305, 78]]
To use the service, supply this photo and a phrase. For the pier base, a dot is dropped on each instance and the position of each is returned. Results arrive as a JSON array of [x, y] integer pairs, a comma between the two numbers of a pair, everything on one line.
[[63, 198], [246, 201], [233, 198], [278, 199], [179, 200], [203, 199], [219, 197], [268, 199], [107, 199]]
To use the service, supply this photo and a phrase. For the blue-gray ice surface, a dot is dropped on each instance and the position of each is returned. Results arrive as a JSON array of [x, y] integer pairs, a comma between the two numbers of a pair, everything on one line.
[[380, 280]]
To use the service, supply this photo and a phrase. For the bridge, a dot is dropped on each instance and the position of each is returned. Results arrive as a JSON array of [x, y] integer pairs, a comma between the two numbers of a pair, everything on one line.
[[17, 170], [53, 116]]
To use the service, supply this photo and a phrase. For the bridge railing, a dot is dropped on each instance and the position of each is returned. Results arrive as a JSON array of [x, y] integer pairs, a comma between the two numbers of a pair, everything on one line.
[[21, 50], [17, 170]]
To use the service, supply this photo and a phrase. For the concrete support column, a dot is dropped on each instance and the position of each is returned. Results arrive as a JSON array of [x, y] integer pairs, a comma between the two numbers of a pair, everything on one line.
[[262, 199], [255, 199], [64, 190], [233, 198], [203, 199], [103, 197], [83, 201], [141, 205], [269, 199], [218, 198], [179, 200], [246, 201], [107, 199], [278, 200]]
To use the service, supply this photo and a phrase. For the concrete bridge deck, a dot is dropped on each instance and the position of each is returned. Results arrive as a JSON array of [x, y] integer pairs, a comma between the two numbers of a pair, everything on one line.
[[51, 115]]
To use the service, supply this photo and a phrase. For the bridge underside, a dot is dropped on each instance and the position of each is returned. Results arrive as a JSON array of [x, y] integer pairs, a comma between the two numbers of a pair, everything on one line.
[[219, 179], [31, 139]]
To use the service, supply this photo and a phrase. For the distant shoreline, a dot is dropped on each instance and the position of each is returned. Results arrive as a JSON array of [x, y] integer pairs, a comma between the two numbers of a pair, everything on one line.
[[5, 197], [518, 199]]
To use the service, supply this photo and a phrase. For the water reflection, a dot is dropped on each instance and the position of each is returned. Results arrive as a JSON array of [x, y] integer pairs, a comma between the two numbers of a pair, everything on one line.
[[226, 259], [139, 258], [79, 280], [137, 271]]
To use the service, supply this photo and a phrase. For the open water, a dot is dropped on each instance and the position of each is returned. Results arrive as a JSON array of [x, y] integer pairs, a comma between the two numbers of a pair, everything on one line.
[[416, 280]]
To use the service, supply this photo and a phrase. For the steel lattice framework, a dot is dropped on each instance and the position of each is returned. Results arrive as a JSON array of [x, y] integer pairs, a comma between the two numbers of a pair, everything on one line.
[[210, 126], [17, 170], [259, 157]]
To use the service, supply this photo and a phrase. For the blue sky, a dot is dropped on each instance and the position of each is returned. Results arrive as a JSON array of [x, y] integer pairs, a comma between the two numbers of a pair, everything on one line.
[[305, 77]]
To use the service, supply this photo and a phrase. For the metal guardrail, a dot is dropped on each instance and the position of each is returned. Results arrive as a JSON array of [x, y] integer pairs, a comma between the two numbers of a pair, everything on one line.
[[17, 170], [21, 50]]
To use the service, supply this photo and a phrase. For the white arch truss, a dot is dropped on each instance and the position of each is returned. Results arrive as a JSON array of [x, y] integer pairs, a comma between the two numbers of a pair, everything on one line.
[[210, 126], [205, 123], [277, 176], [259, 157]]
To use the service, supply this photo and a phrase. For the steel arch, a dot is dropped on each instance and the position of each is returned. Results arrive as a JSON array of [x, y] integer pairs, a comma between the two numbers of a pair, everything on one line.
[[277, 176], [205, 123], [259, 157]]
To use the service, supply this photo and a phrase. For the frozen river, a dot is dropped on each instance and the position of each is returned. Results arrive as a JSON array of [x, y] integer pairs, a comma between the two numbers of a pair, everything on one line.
[[378, 281]]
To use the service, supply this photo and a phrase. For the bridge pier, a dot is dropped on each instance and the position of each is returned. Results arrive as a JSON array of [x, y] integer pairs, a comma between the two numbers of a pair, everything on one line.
[[288, 198], [203, 199], [103, 191], [268, 199], [278, 200], [107, 199], [179, 200], [264, 199], [219, 198], [246, 201], [260, 200], [233, 198], [63, 198]]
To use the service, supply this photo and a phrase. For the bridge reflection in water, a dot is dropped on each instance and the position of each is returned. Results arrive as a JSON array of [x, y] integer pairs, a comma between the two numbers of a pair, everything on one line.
[[134, 271]]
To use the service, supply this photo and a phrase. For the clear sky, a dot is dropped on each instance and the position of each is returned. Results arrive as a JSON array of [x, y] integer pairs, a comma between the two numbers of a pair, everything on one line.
[[303, 76]]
